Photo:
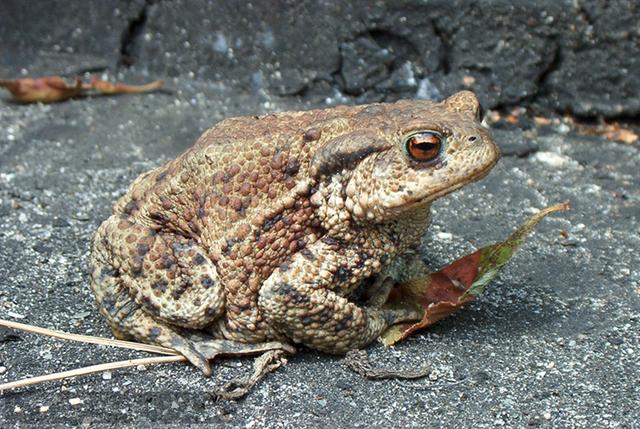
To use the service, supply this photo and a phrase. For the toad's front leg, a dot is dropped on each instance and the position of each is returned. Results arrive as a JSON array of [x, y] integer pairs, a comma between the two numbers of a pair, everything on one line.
[[303, 299]]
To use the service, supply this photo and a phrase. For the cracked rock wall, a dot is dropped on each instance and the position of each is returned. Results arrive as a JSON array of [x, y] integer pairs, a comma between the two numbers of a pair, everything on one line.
[[577, 56]]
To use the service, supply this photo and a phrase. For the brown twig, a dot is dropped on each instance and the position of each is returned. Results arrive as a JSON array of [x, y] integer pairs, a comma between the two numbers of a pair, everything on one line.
[[358, 361]]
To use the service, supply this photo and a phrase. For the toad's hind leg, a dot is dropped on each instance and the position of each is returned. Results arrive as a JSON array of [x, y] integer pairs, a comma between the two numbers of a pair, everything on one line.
[[211, 347], [149, 285]]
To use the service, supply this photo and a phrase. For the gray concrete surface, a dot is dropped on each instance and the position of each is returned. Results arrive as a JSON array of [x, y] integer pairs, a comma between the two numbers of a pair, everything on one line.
[[554, 342]]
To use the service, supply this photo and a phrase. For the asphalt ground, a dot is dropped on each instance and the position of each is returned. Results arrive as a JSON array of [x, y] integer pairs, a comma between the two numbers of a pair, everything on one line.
[[553, 343]]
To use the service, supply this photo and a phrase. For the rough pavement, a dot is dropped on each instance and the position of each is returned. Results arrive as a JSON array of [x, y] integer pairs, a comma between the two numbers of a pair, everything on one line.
[[580, 56], [554, 342]]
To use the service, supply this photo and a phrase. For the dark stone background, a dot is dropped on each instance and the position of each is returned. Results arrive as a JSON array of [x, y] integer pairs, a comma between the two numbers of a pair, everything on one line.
[[553, 343], [578, 56]]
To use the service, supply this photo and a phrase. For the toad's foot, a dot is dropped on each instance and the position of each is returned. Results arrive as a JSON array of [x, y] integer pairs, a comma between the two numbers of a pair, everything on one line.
[[210, 348], [268, 362]]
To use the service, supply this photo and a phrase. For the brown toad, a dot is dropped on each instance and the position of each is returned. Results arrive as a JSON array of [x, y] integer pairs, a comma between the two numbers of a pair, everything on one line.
[[289, 227]]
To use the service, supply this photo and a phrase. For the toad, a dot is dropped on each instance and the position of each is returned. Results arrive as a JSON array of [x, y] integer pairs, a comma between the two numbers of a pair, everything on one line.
[[288, 227]]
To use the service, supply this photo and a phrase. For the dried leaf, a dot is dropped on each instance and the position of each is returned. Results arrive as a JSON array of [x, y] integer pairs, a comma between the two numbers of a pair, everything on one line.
[[441, 293], [105, 87], [468, 81], [622, 135], [45, 90], [612, 131], [52, 89], [541, 121]]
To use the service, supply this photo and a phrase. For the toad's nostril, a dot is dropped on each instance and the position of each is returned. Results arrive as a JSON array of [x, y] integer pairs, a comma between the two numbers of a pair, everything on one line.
[[472, 139]]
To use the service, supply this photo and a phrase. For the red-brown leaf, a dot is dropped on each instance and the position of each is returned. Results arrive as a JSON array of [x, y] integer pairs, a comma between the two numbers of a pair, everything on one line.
[[52, 89], [441, 293]]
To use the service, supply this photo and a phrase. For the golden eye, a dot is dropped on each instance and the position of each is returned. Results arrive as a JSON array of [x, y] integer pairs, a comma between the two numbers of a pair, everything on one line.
[[424, 145]]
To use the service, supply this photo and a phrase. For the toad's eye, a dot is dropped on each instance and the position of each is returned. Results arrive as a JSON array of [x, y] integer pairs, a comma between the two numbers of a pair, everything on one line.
[[424, 145]]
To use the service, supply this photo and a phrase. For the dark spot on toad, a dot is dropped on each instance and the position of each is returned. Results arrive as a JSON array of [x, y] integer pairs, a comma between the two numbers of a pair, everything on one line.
[[127, 310], [143, 249], [131, 207], [332, 242], [324, 315], [155, 332], [308, 254], [160, 285], [159, 217], [312, 134], [206, 281], [293, 296], [104, 273], [342, 274], [362, 258], [345, 321], [185, 284], [109, 303], [228, 247], [150, 306], [269, 223], [292, 167], [199, 259], [167, 262]]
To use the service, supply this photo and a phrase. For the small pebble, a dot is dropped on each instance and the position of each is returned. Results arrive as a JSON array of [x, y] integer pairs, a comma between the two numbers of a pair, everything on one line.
[[106, 375], [15, 315], [444, 236], [43, 408], [75, 401], [563, 128], [616, 341], [552, 159], [3, 369], [17, 409]]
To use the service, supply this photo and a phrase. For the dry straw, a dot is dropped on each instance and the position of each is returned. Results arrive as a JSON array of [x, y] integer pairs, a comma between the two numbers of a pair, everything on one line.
[[171, 355]]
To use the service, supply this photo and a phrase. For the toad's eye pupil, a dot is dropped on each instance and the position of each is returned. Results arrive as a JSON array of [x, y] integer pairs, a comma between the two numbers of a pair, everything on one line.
[[424, 146]]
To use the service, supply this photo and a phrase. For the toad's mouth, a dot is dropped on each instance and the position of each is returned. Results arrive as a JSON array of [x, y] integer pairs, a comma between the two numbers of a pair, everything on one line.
[[459, 184]]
